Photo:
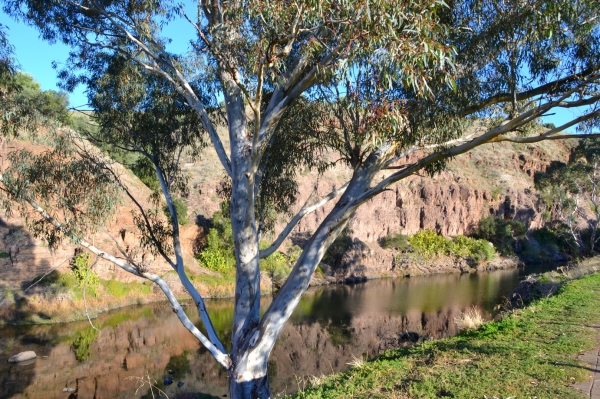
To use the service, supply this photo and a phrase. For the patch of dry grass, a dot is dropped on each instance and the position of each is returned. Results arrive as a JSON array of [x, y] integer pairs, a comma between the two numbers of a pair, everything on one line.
[[470, 319]]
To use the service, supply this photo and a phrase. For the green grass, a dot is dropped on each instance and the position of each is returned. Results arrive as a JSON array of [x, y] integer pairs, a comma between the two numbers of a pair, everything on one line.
[[119, 289], [529, 353]]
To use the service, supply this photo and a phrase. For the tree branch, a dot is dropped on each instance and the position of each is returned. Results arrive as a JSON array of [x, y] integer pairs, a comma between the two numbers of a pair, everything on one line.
[[547, 88], [221, 356], [198, 300], [182, 86], [306, 209]]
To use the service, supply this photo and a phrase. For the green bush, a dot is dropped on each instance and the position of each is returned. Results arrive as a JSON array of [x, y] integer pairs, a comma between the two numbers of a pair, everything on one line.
[[276, 265], [218, 252], [429, 244], [181, 210], [476, 249], [338, 247], [82, 271], [214, 259], [502, 233], [396, 241]]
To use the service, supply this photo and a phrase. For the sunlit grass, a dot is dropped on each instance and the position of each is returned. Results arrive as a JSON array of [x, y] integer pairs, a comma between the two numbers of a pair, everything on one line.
[[529, 353]]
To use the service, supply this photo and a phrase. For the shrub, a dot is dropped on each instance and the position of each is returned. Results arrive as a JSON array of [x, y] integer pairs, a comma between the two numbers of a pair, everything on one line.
[[218, 253], [276, 265], [338, 247], [502, 233], [429, 244], [396, 241], [181, 210], [214, 259], [550, 239], [478, 250], [82, 271]]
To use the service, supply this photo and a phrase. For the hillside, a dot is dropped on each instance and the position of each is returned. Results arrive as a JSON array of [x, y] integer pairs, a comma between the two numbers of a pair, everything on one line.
[[494, 180]]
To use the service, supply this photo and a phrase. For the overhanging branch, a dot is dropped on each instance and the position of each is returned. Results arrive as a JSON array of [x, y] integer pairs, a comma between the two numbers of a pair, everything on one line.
[[221, 356]]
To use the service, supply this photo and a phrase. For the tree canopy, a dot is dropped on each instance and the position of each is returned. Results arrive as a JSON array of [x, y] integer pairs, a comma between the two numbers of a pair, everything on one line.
[[370, 80]]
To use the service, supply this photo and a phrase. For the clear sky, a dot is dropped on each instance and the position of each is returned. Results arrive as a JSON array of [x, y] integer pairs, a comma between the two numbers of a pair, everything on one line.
[[35, 57]]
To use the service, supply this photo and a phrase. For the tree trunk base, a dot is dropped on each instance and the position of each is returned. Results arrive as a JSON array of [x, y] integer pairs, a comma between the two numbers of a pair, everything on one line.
[[254, 389]]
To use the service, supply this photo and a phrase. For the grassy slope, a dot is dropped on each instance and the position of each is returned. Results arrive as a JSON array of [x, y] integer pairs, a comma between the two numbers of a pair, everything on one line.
[[530, 353]]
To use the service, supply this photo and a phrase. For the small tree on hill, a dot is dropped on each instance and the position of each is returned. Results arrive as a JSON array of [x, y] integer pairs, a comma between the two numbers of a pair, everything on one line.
[[371, 80], [571, 191]]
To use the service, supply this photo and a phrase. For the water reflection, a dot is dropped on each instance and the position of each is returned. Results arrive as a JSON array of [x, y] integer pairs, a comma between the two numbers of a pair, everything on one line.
[[329, 328]]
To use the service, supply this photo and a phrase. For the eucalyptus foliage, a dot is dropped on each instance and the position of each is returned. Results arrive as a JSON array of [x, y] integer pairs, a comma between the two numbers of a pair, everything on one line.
[[571, 193], [304, 85]]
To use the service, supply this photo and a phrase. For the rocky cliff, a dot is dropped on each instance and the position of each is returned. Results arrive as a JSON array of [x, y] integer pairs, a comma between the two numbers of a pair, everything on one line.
[[496, 179], [492, 180]]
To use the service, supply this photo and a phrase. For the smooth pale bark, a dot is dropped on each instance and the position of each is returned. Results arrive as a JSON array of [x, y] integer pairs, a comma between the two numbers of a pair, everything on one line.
[[245, 235], [180, 269]]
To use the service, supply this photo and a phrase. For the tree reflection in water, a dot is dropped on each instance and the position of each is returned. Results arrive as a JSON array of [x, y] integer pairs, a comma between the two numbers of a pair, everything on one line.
[[330, 328]]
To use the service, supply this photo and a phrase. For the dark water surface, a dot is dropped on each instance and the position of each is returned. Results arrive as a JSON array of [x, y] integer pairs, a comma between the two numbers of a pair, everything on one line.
[[331, 327]]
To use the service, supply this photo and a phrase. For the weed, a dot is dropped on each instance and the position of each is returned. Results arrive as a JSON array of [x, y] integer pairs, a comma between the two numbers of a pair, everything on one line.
[[470, 319]]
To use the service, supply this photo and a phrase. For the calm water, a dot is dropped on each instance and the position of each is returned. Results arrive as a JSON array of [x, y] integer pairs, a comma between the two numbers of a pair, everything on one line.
[[330, 327]]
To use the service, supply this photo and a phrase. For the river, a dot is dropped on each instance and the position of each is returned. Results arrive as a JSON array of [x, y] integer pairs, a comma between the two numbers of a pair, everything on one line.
[[331, 327]]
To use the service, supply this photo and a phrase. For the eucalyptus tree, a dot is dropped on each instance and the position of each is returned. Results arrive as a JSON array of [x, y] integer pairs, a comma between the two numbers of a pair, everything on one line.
[[370, 80], [571, 192], [23, 104]]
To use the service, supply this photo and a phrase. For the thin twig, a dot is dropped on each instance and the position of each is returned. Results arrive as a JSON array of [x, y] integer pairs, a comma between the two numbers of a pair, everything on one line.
[[41, 278]]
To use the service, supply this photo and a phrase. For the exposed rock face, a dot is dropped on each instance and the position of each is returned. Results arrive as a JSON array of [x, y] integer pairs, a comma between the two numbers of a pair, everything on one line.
[[494, 180]]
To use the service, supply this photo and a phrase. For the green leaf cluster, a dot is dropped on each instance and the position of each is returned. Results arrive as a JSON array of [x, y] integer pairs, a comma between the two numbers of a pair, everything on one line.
[[276, 265], [80, 267], [429, 245], [501, 232], [569, 194], [218, 253], [181, 209], [396, 241], [24, 106], [73, 189]]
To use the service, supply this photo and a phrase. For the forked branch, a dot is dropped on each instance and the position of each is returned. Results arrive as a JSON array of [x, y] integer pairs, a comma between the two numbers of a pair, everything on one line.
[[306, 209]]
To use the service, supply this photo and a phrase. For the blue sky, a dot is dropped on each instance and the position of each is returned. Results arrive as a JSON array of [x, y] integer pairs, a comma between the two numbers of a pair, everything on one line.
[[35, 57]]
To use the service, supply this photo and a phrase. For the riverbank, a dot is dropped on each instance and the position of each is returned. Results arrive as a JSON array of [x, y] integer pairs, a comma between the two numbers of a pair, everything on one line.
[[57, 297], [530, 352]]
